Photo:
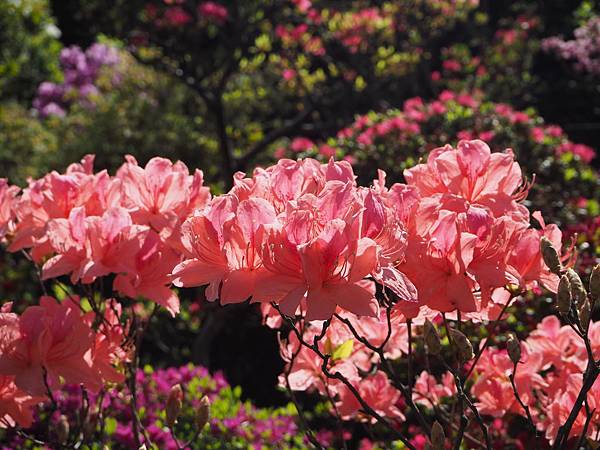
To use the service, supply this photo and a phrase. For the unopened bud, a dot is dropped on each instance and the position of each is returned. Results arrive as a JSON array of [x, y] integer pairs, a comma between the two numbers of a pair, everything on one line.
[[463, 345], [432, 338], [563, 297], [585, 312], [203, 413], [62, 430], [550, 256], [577, 290], [174, 404], [513, 346], [595, 282], [437, 436]]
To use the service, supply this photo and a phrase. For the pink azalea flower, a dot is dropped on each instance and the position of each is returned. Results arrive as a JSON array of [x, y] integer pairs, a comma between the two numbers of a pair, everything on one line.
[[428, 392], [15, 404], [52, 337], [377, 391]]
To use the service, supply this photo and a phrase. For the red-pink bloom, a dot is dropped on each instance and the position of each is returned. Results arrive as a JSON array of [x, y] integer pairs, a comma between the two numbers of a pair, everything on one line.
[[53, 197], [452, 65], [176, 16], [428, 392], [323, 267], [150, 275], [162, 194], [15, 404], [54, 338], [213, 12], [584, 152], [525, 263], [108, 340], [493, 388], [471, 172], [301, 145], [377, 391], [560, 405], [222, 244], [95, 246]]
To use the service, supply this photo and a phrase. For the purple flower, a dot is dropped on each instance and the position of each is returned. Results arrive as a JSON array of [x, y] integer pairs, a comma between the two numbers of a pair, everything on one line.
[[80, 72]]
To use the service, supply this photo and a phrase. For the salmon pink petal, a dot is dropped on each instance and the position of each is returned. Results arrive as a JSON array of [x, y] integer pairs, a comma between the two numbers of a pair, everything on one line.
[[193, 272], [238, 286], [290, 303]]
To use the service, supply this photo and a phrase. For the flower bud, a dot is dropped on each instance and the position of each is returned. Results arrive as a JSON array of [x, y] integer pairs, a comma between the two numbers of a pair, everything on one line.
[[585, 312], [203, 413], [432, 338], [463, 345], [563, 297], [513, 346], [595, 282], [174, 404], [62, 430], [437, 436], [577, 290], [550, 256]]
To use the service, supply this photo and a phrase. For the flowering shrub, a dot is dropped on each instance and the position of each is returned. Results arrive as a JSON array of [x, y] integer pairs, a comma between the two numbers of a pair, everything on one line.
[[234, 424], [397, 139], [80, 71], [583, 51], [350, 270], [504, 69]]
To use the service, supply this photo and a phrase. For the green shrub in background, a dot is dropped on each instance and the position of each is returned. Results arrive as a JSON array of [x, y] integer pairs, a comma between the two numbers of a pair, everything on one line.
[[26, 145], [29, 48], [145, 114]]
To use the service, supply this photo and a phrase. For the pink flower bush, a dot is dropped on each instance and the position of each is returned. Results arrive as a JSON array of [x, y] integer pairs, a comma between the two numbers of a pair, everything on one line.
[[54, 340], [548, 378], [360, 269], [89, 225]]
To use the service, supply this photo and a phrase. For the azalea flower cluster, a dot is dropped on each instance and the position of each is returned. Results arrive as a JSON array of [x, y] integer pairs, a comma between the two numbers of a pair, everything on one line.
[[89, 225], [81, 70], [301, 234], [50, 342], [351, 358], [302, 237], [548, 378], [467, 239], [397, 139]]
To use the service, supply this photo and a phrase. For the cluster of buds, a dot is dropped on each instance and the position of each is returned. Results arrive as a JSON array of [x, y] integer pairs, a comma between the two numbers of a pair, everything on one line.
[[174, 405], [572, 296]]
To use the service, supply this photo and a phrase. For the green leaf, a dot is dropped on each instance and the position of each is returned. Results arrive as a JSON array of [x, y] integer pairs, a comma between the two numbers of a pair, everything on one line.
[[343, 351], [110, 425]]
